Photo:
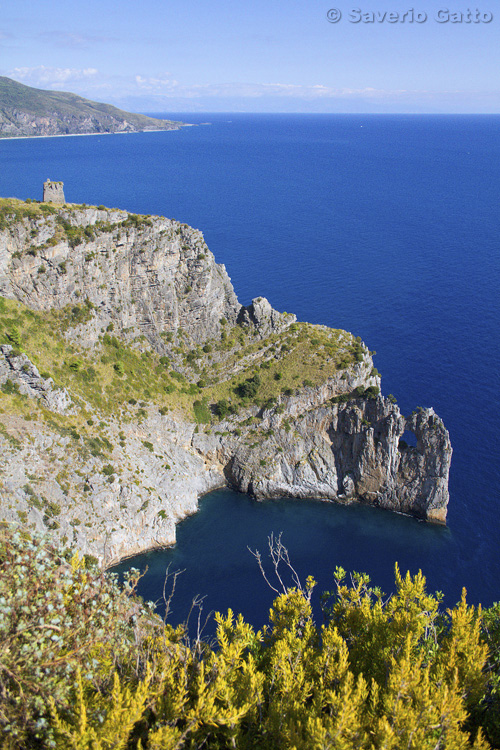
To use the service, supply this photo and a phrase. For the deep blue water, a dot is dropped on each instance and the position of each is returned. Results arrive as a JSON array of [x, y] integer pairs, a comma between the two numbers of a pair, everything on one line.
[[388, 226]]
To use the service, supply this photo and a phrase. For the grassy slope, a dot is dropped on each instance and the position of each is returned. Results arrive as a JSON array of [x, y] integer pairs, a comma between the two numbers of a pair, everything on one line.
[[112, 375], [39, 103]]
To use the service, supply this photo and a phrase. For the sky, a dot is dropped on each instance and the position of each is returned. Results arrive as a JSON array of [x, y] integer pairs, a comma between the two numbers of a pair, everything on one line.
[[264, 56]]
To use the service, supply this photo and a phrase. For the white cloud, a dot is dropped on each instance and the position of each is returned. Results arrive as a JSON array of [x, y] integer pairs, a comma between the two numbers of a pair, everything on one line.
[[156, 84], [156, 91], [51, 78]]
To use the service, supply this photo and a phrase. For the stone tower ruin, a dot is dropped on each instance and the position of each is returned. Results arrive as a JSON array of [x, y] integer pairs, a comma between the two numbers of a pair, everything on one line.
[[53, 192]]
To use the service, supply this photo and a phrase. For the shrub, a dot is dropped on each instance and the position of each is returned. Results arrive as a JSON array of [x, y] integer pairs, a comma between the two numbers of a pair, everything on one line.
[[382, 671], [249, 387], [10, 388], [14, 337], [201, 412], [51, 633], [221, 408]]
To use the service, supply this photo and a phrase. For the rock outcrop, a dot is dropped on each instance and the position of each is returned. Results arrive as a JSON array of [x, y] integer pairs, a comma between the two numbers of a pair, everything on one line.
[[264, 318], [117, 483], [344, 452], [17, 368]]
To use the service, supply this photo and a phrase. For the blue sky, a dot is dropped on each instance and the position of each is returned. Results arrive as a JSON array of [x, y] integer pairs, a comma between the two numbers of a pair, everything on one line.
[[191, 55]]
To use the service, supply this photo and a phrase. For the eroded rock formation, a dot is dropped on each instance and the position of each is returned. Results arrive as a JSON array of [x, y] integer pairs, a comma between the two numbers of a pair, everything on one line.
[[153, 280]]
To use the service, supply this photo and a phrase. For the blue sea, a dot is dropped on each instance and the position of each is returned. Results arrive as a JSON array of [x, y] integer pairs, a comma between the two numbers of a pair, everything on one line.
[[387, 226]]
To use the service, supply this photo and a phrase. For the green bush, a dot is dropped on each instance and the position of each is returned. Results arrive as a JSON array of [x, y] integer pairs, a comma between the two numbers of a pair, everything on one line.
[[14, 337], [10, 388], [221, 408], [58, 614], [249, 387], [86, 665], [201, 412]]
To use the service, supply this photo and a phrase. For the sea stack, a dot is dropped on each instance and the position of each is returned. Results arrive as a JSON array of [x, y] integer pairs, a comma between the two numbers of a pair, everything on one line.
[[53, 192]]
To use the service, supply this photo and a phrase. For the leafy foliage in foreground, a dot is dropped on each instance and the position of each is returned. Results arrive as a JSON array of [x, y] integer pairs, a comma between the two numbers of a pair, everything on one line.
[[84, 664]]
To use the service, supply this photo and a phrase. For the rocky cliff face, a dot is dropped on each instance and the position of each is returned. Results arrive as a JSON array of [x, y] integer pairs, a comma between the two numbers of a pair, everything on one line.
[[280, 408], [342, 451], [146, 275]]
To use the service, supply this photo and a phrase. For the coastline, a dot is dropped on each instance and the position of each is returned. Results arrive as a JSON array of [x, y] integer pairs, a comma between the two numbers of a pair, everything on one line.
[[117, 483], [74, 135]]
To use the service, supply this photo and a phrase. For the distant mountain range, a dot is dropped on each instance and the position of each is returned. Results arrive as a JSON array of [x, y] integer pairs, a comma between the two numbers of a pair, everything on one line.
[[26, 111]]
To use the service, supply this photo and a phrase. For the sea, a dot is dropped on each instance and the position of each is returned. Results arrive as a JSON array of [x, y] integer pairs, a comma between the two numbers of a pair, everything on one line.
[[387, 226]]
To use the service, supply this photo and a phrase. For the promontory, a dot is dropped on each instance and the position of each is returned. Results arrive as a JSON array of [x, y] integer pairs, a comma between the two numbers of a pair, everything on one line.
[[28, 112], [132, 381]]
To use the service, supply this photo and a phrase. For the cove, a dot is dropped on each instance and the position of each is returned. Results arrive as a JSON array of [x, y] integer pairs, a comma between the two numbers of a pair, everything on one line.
[[212, 551]]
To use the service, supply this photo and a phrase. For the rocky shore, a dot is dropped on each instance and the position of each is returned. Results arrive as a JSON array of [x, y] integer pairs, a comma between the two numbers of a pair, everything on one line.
[[100, 309]]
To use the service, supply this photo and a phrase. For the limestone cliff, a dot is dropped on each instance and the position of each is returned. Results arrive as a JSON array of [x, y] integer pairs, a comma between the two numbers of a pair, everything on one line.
[[132, 381], [147, 275]]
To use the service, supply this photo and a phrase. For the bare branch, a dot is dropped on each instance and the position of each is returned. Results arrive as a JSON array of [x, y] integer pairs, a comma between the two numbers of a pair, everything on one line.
[[258, 557], [279, 556], [168, 600]]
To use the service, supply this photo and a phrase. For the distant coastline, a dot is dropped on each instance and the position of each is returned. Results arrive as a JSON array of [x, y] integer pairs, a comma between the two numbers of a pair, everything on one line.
[[26, 112], [72, 135]]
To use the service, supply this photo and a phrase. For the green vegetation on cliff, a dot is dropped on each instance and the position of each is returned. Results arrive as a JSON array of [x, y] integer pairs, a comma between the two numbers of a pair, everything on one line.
[[113, 375], [86, 665]]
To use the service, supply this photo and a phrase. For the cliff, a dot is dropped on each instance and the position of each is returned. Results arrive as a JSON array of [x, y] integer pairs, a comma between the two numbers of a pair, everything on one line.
[[132, 381], [26, 111]]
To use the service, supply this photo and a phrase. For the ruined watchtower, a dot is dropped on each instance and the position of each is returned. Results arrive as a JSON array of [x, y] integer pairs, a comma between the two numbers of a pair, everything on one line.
[[53, 192]]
